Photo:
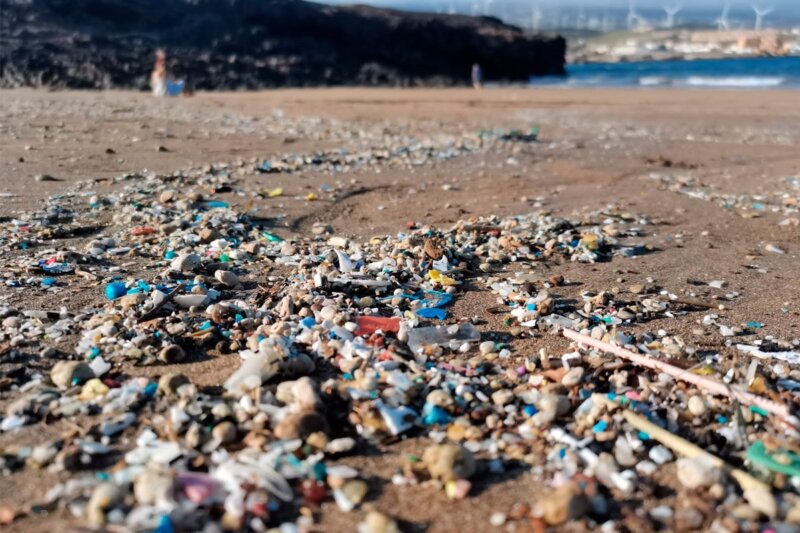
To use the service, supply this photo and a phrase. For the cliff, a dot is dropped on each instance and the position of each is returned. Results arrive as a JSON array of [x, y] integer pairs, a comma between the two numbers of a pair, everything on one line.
[[249, 44]]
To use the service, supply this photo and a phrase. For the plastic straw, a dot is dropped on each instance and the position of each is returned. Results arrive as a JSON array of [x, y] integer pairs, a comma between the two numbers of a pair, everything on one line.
[[709, 385]]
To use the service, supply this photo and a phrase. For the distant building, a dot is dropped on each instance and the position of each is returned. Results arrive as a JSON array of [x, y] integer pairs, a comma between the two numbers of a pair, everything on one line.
[[762, 42]]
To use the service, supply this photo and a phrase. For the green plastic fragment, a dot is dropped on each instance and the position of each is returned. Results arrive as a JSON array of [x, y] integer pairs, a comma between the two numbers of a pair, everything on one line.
[[271, 237], [759, 410], [783, 461]]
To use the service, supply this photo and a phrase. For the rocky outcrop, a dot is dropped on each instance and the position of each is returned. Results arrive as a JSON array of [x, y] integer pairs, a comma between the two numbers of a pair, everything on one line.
[[238, 44]]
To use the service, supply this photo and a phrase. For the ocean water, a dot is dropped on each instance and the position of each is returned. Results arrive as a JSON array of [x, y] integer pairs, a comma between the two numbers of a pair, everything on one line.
[[749, 73]]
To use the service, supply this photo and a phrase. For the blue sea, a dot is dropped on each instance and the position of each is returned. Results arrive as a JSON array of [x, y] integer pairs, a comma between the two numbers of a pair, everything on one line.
[[749, 73]]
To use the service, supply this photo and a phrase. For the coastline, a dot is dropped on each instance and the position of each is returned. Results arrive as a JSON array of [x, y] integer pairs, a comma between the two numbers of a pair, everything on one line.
[[726, 72], [636, 58]]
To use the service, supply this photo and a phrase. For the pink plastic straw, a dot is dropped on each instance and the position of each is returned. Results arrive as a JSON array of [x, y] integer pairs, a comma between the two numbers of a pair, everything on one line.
[[707, 384]]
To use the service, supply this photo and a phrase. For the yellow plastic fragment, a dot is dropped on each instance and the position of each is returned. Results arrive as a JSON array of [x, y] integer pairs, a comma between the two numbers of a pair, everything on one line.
[[590, 241], [94, 388], [438, 277], [451, 489]]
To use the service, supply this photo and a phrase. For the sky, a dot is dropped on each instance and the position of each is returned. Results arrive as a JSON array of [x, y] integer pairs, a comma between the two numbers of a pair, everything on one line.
[[794, 5], [704, 12]]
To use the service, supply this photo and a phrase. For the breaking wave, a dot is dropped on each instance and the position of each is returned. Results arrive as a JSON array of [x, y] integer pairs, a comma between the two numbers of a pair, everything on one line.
[[733, 73], [734, 81]]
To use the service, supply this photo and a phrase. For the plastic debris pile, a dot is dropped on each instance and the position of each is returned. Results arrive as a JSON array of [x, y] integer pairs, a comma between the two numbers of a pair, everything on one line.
[[342, 345], [785, 202]]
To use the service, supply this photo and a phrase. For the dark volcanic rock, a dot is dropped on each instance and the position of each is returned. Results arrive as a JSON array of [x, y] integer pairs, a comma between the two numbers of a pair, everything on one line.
[[233, 44]]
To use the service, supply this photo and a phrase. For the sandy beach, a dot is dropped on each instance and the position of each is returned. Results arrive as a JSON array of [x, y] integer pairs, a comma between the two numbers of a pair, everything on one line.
[[714, 175]]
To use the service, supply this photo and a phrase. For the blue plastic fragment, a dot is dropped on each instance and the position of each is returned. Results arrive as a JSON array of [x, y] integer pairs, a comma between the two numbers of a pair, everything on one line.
[[430, 298], [440, 299], [165, 525], [432, 312], [433, 414], [530, 410], [150, 389], [115, 290], [216, 203], [601, 426], [320, 470], [789, 384], [56, 268]]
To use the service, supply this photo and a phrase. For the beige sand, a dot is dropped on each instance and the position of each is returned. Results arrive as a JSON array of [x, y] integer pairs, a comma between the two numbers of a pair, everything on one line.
[[598, 147]]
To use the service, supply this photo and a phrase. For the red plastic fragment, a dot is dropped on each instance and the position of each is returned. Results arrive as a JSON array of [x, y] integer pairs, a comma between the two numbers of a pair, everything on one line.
[[367, 325]]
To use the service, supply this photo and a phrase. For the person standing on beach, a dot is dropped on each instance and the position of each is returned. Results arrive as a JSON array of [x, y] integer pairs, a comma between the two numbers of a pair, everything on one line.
[[158, 78], [477, 76], [160, 82]]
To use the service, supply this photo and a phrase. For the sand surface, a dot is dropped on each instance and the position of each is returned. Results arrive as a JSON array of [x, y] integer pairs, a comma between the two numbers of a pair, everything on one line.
[[625, 150]]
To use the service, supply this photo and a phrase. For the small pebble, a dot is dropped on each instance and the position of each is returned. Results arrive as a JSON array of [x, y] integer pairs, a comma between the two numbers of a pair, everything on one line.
[[171, 354]]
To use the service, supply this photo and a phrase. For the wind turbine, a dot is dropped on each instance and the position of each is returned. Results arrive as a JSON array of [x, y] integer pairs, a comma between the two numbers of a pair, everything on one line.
[[607, 23], [581, 18], [722, 21], [671, 10], [634, 19], [536, 17], [475, 8], [761, 12]]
